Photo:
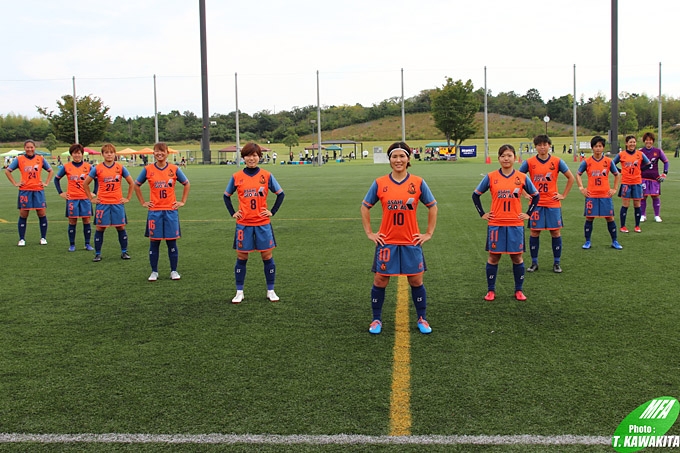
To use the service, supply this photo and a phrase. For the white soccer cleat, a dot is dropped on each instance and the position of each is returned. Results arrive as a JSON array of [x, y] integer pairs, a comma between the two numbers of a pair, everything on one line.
[[21, 243], [238, 298], [657, 219], [271, 295], [643, 218], [174, 275], [153, 277], [43, 241]]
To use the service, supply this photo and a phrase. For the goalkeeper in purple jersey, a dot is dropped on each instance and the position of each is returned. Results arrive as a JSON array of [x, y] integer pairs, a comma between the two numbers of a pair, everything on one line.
[[651, 178]]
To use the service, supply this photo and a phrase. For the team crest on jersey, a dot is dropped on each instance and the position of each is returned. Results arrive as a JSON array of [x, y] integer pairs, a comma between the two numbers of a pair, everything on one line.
[[411, 189], [384, 189], [262, 180], [552, 166], [171, 173], [518, 182]]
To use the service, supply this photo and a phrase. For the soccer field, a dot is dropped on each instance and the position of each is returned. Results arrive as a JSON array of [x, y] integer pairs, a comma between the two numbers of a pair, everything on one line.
[[93, 348]]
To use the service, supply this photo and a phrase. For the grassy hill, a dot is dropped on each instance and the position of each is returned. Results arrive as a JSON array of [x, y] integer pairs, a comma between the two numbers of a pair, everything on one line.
[[420, 126]]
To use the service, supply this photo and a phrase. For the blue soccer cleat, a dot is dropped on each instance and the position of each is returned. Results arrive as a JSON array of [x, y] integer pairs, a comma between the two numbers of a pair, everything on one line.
[[375, 327], [587, 245], [424, 326], [72, 248], [89, 248], [616, 245]]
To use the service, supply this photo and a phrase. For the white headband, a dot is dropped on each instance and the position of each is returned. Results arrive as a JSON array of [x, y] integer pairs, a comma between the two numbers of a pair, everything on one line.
[[408, 153]]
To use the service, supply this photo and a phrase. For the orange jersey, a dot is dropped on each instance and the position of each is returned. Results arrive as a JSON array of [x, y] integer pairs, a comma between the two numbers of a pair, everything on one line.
[[506, 196], [75, 177], [598, 172], [110, 181], [252, 195], [162, 182], [30, 169], [631, 166], [544, 176], [399, 202]]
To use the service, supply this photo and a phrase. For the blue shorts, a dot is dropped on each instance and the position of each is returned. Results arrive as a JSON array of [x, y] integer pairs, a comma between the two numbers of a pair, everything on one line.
[[110, 215], [632, 191], [162, 225], [399, 260], [31, 199], [78, 208], [254, 238], [599, 207], [546, 219], [505, 239], [651, 187]]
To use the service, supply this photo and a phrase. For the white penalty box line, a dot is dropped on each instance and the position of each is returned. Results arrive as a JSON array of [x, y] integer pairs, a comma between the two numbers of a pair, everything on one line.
[[338, 439]]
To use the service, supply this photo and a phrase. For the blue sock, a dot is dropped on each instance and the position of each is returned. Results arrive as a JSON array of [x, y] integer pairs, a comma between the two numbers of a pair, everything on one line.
[[419, 300], [43, 226], [154, 247], [557, 249], [637, 216], [518, 273], [269, 273], [240, 273], [173, 253], [87, 232], [22, 227], [122, 240], [622, 214], [377, 301], [611, 226], [588, 229], [533, 248], [491, 272], [72, 234], [98, 241]]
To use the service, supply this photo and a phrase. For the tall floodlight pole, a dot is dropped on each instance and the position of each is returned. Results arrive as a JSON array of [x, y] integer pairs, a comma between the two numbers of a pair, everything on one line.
[[205, 139], [237, 157], [615, 80], [486, 121], [155, 110], [575, 119], [75, 110], [318, 121], [403, 110], [660, 110]]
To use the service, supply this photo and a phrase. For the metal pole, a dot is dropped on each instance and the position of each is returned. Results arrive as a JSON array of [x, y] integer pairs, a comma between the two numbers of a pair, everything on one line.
[[403, 117], [614, 127], [486, 121], [75, 111], [205, 138], [155, 110], [238, 131], [318, 120], [660, 109], [575, 118]]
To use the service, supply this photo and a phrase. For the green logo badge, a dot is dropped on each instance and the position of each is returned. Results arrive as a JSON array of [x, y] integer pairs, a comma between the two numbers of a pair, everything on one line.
[[647, 425]]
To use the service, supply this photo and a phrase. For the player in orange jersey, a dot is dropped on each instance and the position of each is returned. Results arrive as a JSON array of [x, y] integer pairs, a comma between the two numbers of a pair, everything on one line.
[[633, 161], [398, 242]]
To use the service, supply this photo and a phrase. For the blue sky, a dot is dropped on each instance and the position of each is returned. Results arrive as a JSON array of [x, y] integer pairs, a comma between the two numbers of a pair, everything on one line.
[[113, 49]]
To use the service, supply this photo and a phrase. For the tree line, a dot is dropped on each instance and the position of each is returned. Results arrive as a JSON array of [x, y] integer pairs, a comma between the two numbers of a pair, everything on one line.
[[95, 125]]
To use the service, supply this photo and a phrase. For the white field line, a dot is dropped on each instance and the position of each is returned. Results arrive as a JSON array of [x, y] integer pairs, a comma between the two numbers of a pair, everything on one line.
[[338, 439]]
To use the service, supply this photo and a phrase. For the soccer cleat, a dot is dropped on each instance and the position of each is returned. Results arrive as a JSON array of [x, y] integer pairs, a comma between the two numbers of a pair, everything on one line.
[[491, 295], [587, 245], [174, 275], [21, 243], [72, 248], [97, 258], [375, 327], [643, 218], [271, 295], [89, 248], [624, 229], [43, 241], [616, 245], [424, 326], [519, 295], [153, 277], [657, 219], [556, 268], [238, 298], [533, 267], [638, 230], [124, 256]]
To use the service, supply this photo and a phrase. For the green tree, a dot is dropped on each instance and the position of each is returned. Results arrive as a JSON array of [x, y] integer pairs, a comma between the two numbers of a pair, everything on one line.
[[291, 140], [93, 120], [50, 142], [453, 109]]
